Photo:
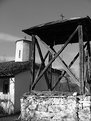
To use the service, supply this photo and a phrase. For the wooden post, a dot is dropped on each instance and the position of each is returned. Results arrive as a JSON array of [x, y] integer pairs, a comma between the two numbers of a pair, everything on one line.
[[42, 66], [89, 66], [33, 57], [90, 75], [50, 71], [81, 57]]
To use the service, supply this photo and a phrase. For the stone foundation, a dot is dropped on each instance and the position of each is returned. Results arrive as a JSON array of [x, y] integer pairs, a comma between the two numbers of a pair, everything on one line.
[[53, 106]]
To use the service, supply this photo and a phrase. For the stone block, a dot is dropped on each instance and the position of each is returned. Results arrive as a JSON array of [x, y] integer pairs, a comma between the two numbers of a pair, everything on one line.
[[43, 106]]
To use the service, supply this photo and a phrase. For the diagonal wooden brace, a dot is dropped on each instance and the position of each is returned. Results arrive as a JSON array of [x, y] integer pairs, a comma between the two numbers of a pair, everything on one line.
[[55, 56], [71, 63], [42, 66], [68, 70]]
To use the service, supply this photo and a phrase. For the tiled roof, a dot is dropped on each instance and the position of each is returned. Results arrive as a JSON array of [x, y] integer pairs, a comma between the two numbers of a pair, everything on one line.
[[11, 68]]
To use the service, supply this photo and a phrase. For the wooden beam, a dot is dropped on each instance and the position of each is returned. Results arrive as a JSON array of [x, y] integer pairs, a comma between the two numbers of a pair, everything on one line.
[[71, 63], [68, 70], [88, 48], [50, 71], [56, 55], [33, 57], [89, 66], [39, 50], [42, 66], [81, 57], [59, 78]]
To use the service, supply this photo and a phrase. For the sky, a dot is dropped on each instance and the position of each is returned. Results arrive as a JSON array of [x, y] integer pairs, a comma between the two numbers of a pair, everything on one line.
[[16, 15]]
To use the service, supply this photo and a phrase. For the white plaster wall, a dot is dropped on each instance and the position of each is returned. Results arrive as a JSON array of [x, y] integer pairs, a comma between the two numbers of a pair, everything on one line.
[[12, 90], [26, 51], [22, 83], [25, 47], [19, 46]]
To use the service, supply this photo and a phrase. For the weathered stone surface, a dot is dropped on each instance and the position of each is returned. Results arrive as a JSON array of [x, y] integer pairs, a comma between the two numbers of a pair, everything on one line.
[[52, 106]]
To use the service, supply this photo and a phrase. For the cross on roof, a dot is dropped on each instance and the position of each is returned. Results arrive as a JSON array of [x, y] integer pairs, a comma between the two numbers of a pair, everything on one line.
[[62, 16]]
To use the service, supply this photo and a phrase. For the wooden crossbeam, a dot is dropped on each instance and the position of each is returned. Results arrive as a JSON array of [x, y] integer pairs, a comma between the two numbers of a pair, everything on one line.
[[55, 56], [42, 66], [59, 78], [71, 63], [39, 50], [68, 70]]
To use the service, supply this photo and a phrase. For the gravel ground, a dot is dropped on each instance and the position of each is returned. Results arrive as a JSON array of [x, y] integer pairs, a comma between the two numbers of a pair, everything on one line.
[[10, 118]]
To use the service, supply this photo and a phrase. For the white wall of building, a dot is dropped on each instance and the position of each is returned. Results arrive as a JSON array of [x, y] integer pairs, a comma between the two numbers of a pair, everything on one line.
[[23, 51], [12, 90], [26, 50], [19, 51], [22, 83]]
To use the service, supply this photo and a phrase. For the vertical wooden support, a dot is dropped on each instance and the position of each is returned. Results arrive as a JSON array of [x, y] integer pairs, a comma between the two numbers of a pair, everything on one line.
[[89, 65], [42, 66], [50, 71], [81, 57], [90, 75], [33, 57]]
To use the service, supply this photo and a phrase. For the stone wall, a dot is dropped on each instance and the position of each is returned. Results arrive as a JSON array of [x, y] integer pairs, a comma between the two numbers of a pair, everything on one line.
[[53, 106]]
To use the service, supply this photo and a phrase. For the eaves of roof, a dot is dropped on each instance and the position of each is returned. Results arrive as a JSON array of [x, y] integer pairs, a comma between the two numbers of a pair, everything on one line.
[[58, 31]]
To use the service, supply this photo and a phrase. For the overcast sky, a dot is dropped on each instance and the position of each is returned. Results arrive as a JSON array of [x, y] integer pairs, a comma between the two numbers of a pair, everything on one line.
[[16, 15]]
